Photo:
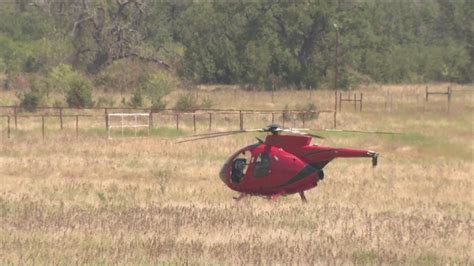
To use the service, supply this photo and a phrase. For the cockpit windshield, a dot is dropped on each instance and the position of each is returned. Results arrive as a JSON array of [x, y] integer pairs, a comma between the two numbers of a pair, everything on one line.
[[240, 166]]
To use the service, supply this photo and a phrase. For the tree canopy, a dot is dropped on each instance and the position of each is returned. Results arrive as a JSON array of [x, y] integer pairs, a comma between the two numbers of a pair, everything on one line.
[[262, 42]]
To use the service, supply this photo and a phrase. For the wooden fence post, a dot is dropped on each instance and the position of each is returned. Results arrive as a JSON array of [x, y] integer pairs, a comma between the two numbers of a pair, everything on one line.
[[355, 102], [426, 94], [177, 121], [42, 125], [273, 118], [8, 126], [449, 99], [360, 107], [210, 121], [283, 118], [150, 120], [61, 117], [304, 114], [106, 119], [15, 116], [77, 126], [194, 122], [340, 100], [241, 120]]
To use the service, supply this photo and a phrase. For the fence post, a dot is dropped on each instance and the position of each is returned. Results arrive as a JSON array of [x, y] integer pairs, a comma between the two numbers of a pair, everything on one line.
[[177, 121], [8, 126], [360, 106], [426, 92], [340, 100], [194, 122], [150, 120], [15, 117], [241, 120], [77, 126], [61, 117], [304, 114], [355, 102], [42, 125], [283, 118], [449, 99], [106, 119], [210, 121]]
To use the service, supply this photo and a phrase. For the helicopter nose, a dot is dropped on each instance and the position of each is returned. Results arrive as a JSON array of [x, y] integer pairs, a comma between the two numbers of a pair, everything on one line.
[[222, 173]]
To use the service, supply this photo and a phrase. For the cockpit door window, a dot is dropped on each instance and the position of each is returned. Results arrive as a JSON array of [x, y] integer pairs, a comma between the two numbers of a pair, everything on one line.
[[262, 165]]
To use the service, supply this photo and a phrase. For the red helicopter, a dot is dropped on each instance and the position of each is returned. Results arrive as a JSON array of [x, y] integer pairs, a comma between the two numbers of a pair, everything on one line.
[[282, 164]]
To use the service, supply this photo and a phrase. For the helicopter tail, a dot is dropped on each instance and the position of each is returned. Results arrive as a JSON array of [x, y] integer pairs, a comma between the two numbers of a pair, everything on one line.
[[348, 153]]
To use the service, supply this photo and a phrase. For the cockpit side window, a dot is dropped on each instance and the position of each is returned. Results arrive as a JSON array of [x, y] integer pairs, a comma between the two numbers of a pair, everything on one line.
[[262, 165]]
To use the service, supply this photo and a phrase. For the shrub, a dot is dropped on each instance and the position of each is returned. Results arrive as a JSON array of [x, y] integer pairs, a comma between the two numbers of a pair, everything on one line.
[[287, 115], [206, 103], [157, 86], [61, 77], [158, 104], [79, 94], [104, 101], [57, 103], [30, 101], [310, 112], [187, 102], [137, 98]]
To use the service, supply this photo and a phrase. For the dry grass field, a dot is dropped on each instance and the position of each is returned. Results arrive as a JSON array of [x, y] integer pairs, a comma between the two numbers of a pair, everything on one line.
[[89, 200]]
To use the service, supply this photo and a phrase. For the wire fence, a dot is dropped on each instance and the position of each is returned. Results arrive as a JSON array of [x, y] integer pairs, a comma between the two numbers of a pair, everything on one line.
[[48, 118]]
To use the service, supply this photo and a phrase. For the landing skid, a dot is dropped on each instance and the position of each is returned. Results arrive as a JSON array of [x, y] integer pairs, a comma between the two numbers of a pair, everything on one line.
[[273, 197], [241, 196], [303, 197]]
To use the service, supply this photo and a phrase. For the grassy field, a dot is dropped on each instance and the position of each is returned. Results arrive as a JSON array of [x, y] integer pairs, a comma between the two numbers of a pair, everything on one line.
[[68, 200]]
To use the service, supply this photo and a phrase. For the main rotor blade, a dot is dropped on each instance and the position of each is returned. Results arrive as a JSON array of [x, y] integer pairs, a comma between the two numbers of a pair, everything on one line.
[[211, 136], [297, 131], [313, 135], [362, 132]]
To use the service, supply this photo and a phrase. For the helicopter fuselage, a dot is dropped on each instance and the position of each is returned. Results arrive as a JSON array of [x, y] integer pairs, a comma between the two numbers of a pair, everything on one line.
[[282, 164]]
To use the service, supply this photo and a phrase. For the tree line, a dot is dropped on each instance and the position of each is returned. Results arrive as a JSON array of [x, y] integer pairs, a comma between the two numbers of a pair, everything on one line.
[[120, 44]]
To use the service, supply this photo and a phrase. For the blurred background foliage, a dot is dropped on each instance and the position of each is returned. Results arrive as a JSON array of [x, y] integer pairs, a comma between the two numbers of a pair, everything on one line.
[[151, 47]]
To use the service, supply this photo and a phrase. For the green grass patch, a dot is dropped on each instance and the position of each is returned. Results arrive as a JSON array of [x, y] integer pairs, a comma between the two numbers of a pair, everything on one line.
[[365, 257]]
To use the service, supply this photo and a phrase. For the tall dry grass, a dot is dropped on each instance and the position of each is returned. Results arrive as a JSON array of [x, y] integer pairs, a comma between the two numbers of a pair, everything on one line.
[[148, 200]]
